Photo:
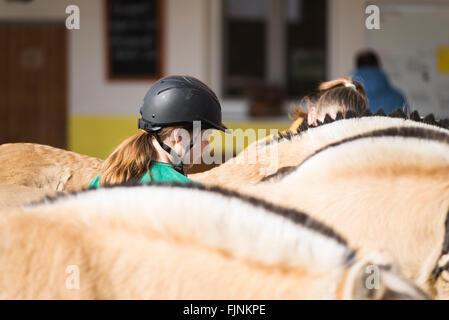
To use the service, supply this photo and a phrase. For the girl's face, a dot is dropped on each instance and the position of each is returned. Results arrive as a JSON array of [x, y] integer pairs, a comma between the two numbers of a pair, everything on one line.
[[201, 145], [205, 140], [182, 140]]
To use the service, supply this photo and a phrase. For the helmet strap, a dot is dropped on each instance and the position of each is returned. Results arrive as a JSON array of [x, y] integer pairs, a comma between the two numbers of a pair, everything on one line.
[[179, 161]]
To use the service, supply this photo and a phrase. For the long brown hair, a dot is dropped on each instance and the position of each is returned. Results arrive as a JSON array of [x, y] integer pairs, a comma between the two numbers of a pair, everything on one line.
[[131, 159], [335, 96]]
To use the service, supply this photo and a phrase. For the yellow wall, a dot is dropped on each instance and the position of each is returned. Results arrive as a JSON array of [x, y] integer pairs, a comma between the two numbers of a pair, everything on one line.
[[98, 135]]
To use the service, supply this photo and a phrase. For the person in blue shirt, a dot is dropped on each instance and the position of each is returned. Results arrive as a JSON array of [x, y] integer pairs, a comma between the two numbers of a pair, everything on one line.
[[170, 110], [380, 93]]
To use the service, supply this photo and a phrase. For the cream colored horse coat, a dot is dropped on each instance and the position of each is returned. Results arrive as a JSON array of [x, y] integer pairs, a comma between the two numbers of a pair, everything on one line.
[[167, 242], [386, 190]]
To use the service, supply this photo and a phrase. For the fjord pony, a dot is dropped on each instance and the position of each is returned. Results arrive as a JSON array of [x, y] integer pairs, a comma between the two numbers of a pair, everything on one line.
[[173, 242], [386, 189], [288, 150]]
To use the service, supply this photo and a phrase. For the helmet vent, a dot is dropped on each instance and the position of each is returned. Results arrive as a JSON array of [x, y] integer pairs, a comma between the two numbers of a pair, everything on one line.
[[166, 89]]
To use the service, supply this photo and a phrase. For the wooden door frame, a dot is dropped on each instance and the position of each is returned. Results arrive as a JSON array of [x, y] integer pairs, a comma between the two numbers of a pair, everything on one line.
[[66, 57]]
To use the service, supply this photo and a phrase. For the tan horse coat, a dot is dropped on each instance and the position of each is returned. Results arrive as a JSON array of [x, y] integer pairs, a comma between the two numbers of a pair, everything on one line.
[[40, 166]]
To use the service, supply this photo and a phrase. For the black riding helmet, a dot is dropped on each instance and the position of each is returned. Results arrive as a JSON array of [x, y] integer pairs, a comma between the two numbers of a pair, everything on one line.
[[179, 100]]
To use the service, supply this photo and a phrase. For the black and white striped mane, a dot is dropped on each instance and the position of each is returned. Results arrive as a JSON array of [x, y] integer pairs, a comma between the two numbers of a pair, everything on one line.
[[400, 132], [267, 232], [414, 116]]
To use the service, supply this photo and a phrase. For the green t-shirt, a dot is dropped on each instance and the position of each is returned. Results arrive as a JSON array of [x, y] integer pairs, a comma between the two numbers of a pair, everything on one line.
[[160, 172]]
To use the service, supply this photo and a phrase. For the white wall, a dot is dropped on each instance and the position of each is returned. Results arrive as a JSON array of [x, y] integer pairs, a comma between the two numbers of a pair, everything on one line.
[[186, 41], [345, 35], [411, 31], [347, 32], [193, 46]]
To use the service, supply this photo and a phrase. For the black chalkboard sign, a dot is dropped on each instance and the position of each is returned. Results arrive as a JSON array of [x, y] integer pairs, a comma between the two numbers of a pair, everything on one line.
[[134, 39]]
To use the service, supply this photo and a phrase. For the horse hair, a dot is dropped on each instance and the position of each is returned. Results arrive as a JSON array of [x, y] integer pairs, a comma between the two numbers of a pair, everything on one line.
[[398, 113], [295, 216], [403, 132]]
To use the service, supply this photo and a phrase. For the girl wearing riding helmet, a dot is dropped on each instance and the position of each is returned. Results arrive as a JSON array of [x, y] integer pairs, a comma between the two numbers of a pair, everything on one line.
[[170, 109]]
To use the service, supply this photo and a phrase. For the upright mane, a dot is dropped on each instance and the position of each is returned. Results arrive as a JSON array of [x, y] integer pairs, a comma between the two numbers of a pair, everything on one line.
[[414, 116], [404, 132], [215, 218], [399, 132], [401, 149]]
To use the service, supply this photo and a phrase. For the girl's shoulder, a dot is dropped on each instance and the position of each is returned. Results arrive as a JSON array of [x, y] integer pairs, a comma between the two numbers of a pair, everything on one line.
[[95, 183], [164, 172]]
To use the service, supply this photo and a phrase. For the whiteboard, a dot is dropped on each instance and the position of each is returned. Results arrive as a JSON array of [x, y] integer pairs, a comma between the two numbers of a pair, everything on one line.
[[410, 42]]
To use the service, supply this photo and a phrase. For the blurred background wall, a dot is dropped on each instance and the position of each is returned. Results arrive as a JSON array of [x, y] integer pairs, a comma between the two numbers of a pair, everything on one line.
[[260, 56]]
